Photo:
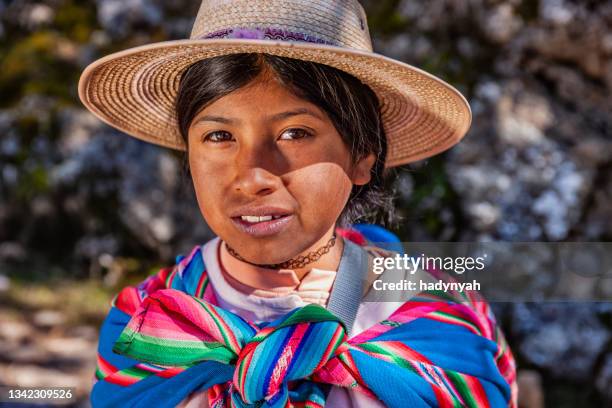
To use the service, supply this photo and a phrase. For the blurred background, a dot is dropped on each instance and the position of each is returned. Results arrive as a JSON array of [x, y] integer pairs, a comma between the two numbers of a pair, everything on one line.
[[85, 210]]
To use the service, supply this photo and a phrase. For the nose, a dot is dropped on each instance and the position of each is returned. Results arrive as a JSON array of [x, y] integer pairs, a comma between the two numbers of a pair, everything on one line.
[[258, 171]]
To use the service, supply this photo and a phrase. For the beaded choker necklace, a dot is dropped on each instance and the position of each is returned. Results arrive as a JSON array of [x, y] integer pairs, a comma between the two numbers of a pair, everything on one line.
[[294, 263]]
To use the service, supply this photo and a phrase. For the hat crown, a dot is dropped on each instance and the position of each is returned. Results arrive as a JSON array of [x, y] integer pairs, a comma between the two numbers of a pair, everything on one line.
[[342, 23]]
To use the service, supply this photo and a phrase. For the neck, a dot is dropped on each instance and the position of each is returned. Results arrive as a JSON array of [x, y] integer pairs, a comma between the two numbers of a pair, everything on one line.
[[261, 277]]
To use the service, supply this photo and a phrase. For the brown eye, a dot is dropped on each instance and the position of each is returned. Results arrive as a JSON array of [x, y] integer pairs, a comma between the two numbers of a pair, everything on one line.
[[294, 133], [217, 137]]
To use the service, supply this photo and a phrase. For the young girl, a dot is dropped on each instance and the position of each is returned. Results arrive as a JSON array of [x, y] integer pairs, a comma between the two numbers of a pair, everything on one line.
[[289, 121]]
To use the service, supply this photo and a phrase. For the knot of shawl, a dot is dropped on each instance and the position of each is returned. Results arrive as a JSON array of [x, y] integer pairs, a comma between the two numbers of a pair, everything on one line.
[[306, 346]]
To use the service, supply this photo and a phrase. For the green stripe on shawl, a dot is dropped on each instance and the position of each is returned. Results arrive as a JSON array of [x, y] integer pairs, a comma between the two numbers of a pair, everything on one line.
[[170, 352]]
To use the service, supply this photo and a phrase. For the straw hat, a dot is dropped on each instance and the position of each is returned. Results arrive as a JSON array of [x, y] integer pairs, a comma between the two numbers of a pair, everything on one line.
[[134, 90]]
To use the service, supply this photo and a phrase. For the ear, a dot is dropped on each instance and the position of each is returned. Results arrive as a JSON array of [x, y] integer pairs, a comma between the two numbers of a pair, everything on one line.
[[362, 170]]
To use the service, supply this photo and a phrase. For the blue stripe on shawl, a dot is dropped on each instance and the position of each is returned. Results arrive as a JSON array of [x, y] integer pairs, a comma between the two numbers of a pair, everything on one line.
[[395, 386], [193, 272], [452, 347], [383, 238]]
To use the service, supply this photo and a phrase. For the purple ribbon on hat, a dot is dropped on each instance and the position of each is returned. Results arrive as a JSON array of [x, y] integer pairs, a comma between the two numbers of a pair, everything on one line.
[[265, 33], [250, 33]]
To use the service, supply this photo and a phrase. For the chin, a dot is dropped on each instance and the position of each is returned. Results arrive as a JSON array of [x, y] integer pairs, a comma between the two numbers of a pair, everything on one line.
[[270, 253], [271, 249]]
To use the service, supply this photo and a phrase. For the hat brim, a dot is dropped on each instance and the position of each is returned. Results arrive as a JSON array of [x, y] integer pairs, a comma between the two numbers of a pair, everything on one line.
[[134, 91]]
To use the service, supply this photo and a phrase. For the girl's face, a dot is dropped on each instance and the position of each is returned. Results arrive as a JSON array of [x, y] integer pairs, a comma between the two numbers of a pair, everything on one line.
[[271, 173]]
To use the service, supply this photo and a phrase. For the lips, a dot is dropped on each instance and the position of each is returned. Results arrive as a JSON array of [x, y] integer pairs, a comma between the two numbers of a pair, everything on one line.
[[262, 221]]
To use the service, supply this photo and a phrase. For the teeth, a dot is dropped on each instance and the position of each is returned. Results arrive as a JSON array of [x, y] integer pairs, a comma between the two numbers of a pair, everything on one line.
[[255, 218]]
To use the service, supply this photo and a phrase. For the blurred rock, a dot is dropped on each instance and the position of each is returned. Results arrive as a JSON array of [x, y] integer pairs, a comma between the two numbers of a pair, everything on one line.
[[83, 332], [558, 12], [564, 338], [30, 375], [38, 358], [14, 331], [526, 170], [28, 354], [77, 126], [532, 182], [67, 346], [141, 177], [119, 16], [48, 318], [501, 23], [34, 16], [91, 247]]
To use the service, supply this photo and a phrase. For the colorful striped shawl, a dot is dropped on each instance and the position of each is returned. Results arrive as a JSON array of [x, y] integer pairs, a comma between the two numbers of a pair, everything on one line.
[[167, 337]]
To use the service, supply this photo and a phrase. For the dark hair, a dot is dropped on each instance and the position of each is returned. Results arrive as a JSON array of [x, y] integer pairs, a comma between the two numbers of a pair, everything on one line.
[[351, 105]]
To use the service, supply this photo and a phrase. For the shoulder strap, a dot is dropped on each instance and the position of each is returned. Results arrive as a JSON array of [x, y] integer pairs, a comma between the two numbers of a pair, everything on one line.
[[346, 291]]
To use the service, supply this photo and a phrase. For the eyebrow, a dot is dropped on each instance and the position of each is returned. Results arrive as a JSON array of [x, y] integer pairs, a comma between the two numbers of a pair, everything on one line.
[[276, 117]]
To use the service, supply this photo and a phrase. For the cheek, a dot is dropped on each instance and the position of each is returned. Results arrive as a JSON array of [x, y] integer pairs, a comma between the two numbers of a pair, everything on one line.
[[321, 190], [208, 189]]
